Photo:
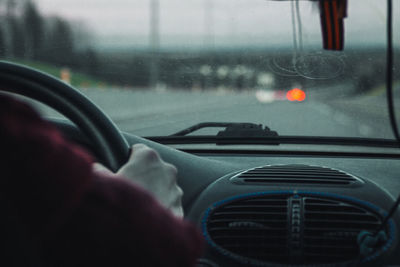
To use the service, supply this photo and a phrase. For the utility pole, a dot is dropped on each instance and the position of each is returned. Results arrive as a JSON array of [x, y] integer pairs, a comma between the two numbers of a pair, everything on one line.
[[209, 39], [154, 42], [10, 7]]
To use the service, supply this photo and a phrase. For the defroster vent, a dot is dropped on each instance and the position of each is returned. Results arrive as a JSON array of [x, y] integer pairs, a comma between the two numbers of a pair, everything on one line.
[[295, 174]]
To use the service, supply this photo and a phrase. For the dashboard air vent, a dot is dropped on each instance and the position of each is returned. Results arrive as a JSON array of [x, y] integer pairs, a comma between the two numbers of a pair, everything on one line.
[[288, 228], [331, 228], [295, 174], [255, 228]]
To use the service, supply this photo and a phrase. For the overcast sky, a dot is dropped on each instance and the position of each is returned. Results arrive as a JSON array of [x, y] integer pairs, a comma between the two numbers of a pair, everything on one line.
[[189, 22]]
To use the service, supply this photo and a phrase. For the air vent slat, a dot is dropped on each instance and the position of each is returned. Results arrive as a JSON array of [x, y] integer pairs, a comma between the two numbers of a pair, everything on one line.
[[330, 247], [272, 220], [262, 255], [339, 215], [287, 169], [321, 240], [263, 246], [276, 202], [293, 167], [322, 214], [319, 221], [294, 181], [266, 213], [253, 218], [292, 176], [254, 238], [338, 229], [249, 206], [333, 205], [320, 201], [340, 225], [325, 238], [271, 169], [295, 174], [327, 257], [237, 230], [331, 251], [333, 208], [263, 226]]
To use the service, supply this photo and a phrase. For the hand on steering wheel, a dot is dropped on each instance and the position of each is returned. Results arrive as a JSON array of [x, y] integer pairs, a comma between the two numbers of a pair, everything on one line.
[[146, 168]]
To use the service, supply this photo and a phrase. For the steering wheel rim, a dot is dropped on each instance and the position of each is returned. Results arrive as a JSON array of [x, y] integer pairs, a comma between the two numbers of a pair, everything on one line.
[[109, 144]]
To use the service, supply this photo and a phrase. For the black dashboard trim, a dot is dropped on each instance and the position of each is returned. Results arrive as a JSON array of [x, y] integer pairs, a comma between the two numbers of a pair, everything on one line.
[[275, 140], [291, 153]]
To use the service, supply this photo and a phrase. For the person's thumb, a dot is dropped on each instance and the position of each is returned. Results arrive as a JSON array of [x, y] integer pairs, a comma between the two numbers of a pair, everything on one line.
[[99, 168]]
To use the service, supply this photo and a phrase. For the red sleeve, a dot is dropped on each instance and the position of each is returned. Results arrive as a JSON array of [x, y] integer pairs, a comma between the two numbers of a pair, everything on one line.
[[72, 217], [126, 227]]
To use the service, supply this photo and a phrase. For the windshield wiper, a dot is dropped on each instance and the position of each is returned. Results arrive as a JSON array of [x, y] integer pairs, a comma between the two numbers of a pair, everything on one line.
[[255, 134], [235, 133], [237, 129]]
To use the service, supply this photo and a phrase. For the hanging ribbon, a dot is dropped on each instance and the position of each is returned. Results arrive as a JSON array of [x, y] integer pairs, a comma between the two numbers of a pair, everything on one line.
[[332, 14]]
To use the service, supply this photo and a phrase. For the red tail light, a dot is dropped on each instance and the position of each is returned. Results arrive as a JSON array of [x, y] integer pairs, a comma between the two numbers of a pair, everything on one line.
[[296, 94]]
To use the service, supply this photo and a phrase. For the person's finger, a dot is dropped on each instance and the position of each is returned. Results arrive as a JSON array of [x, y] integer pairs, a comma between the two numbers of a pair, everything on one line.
[[178, 193], [150, 155], [145, 152], [146, 155], [135, 148], [171, 168], [178, 211], [97, 167]]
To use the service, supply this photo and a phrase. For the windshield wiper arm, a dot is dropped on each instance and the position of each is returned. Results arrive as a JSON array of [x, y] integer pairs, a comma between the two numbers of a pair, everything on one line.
[[233, 131], [199, 126], [255, 134]]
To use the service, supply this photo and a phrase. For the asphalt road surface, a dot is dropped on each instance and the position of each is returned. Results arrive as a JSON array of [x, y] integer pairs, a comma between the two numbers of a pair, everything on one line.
[[151, 113]]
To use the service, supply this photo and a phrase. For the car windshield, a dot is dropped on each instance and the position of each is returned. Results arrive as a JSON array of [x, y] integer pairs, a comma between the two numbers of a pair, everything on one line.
[[159, 66]]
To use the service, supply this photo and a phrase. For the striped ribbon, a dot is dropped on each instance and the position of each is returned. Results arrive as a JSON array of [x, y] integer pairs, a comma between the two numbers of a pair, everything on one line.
[[332, 14]]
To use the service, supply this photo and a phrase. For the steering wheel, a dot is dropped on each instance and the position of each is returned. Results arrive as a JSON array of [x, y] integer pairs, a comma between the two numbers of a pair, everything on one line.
[[110, 145]]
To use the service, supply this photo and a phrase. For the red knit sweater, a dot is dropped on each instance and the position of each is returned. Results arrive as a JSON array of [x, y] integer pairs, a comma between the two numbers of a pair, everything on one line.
[[57, 212]]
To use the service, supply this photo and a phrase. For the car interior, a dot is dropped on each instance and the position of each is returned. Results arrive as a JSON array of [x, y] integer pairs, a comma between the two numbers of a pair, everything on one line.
[[299, 205], [276, 201]]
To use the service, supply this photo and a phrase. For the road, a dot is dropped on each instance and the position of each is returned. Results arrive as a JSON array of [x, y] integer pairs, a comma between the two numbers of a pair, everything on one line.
[[149, 113]]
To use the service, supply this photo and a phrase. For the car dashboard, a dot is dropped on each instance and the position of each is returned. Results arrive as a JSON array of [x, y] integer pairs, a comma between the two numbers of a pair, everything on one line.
[[288, 209], [297, 211]]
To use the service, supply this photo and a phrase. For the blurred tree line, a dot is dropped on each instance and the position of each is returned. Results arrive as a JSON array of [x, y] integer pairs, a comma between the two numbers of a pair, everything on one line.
[[26, 34]]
